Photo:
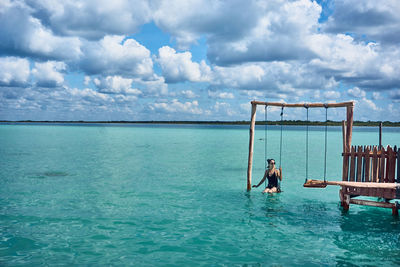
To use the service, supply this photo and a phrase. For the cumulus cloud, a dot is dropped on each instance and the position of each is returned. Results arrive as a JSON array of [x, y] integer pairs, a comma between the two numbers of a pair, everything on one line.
[[331, 94], [175, 106], [188, 94], [22, 34], [48, 74], [356, 92], [369, 66], [95, 19], [395, 94], [14, 71], [178, 67], [205, 18], [280, 33], [223, 108], [116, 55], [376, 20], [221, 95], [116, 85], [376, 96]]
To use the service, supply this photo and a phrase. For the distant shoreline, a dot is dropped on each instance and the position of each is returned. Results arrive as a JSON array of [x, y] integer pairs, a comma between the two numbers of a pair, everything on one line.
[[285, 122]]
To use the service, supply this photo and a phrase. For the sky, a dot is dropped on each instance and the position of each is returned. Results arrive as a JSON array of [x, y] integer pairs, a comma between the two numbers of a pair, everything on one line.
[[197, 60]]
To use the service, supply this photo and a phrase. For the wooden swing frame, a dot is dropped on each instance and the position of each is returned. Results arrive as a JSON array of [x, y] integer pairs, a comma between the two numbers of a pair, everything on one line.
[[382, 183]]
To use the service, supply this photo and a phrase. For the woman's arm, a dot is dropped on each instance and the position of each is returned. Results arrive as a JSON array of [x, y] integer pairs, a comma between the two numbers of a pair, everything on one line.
[[279, 173], [262, 180]]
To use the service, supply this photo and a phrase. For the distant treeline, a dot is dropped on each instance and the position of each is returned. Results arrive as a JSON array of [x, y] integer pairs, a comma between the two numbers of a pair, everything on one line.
[[285, 122]]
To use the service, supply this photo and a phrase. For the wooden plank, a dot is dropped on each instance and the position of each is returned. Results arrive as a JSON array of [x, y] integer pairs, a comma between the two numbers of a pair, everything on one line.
[[345, 173], [372, 203], [367, 165], [380, 134], [301, 105], [251, 144], [359, 163], [352, 164], [390, 165], [374, 164], [382, 166], [360, 185], [363, 164]]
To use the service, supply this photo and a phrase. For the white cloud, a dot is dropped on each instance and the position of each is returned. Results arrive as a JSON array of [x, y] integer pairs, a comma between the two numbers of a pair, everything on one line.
[[116, 85], [156, 86], [23, 34], [376, 20], [188, 94], [177, 107], [356, 92], [93, 19], [48, 74], [113, 55], [178, 67], [87, 80], [14, 71], [331, 94], [221, 95], [376, 96], [395, 94], [223, 108]]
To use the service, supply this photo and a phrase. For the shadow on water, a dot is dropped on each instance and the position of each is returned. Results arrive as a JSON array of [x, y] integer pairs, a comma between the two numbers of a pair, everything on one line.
[[269, 204], [48, 174]]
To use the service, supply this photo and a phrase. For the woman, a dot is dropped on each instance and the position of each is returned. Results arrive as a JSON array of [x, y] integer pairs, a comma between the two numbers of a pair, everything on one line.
[[272, 174]]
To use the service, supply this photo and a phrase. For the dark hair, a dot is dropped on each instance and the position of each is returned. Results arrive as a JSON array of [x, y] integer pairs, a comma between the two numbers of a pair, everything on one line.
[[269, 160]]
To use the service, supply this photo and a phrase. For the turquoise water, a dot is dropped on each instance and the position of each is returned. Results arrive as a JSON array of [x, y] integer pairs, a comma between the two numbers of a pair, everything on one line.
[[175, 195]]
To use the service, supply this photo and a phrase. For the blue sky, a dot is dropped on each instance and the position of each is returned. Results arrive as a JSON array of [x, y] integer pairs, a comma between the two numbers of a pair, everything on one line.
[[196, 60]]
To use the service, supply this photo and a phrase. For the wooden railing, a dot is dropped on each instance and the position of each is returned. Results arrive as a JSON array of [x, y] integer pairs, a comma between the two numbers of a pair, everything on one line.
[[371, 164]]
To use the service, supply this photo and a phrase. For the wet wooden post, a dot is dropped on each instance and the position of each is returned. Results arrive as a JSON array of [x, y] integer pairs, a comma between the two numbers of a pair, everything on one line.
[[345, 172], [251, 144], [344, 198]]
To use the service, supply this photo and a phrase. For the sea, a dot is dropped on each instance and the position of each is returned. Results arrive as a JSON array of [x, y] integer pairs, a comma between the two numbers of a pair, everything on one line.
[[175, 195]]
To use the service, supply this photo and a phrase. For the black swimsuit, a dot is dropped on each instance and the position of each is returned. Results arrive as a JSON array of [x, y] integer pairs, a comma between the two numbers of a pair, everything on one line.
[[272, 180]]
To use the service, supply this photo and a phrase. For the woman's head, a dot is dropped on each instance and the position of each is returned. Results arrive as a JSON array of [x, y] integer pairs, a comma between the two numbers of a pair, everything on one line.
[[271, 162]]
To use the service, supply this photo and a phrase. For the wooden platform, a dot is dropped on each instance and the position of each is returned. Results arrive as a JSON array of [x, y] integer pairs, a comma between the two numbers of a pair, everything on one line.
[[387, 191]]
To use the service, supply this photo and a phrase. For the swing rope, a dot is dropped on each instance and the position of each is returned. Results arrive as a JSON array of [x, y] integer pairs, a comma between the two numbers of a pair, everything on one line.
[[326, 137], [280, 151], [306, 106], [280, 147], [265, 140]]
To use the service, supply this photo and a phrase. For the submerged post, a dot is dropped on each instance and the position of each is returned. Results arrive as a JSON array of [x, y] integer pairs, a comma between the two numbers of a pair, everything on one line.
[[251, 144]]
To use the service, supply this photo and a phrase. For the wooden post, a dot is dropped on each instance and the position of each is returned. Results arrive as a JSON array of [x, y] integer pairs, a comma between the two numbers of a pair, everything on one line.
[[347, 139], [251, 144], [398, 165], [349, 128], [380, 135], [345, 168]]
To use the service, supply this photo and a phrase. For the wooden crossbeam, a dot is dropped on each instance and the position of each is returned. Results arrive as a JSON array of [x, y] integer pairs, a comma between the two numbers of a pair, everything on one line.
[[302, 105]]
